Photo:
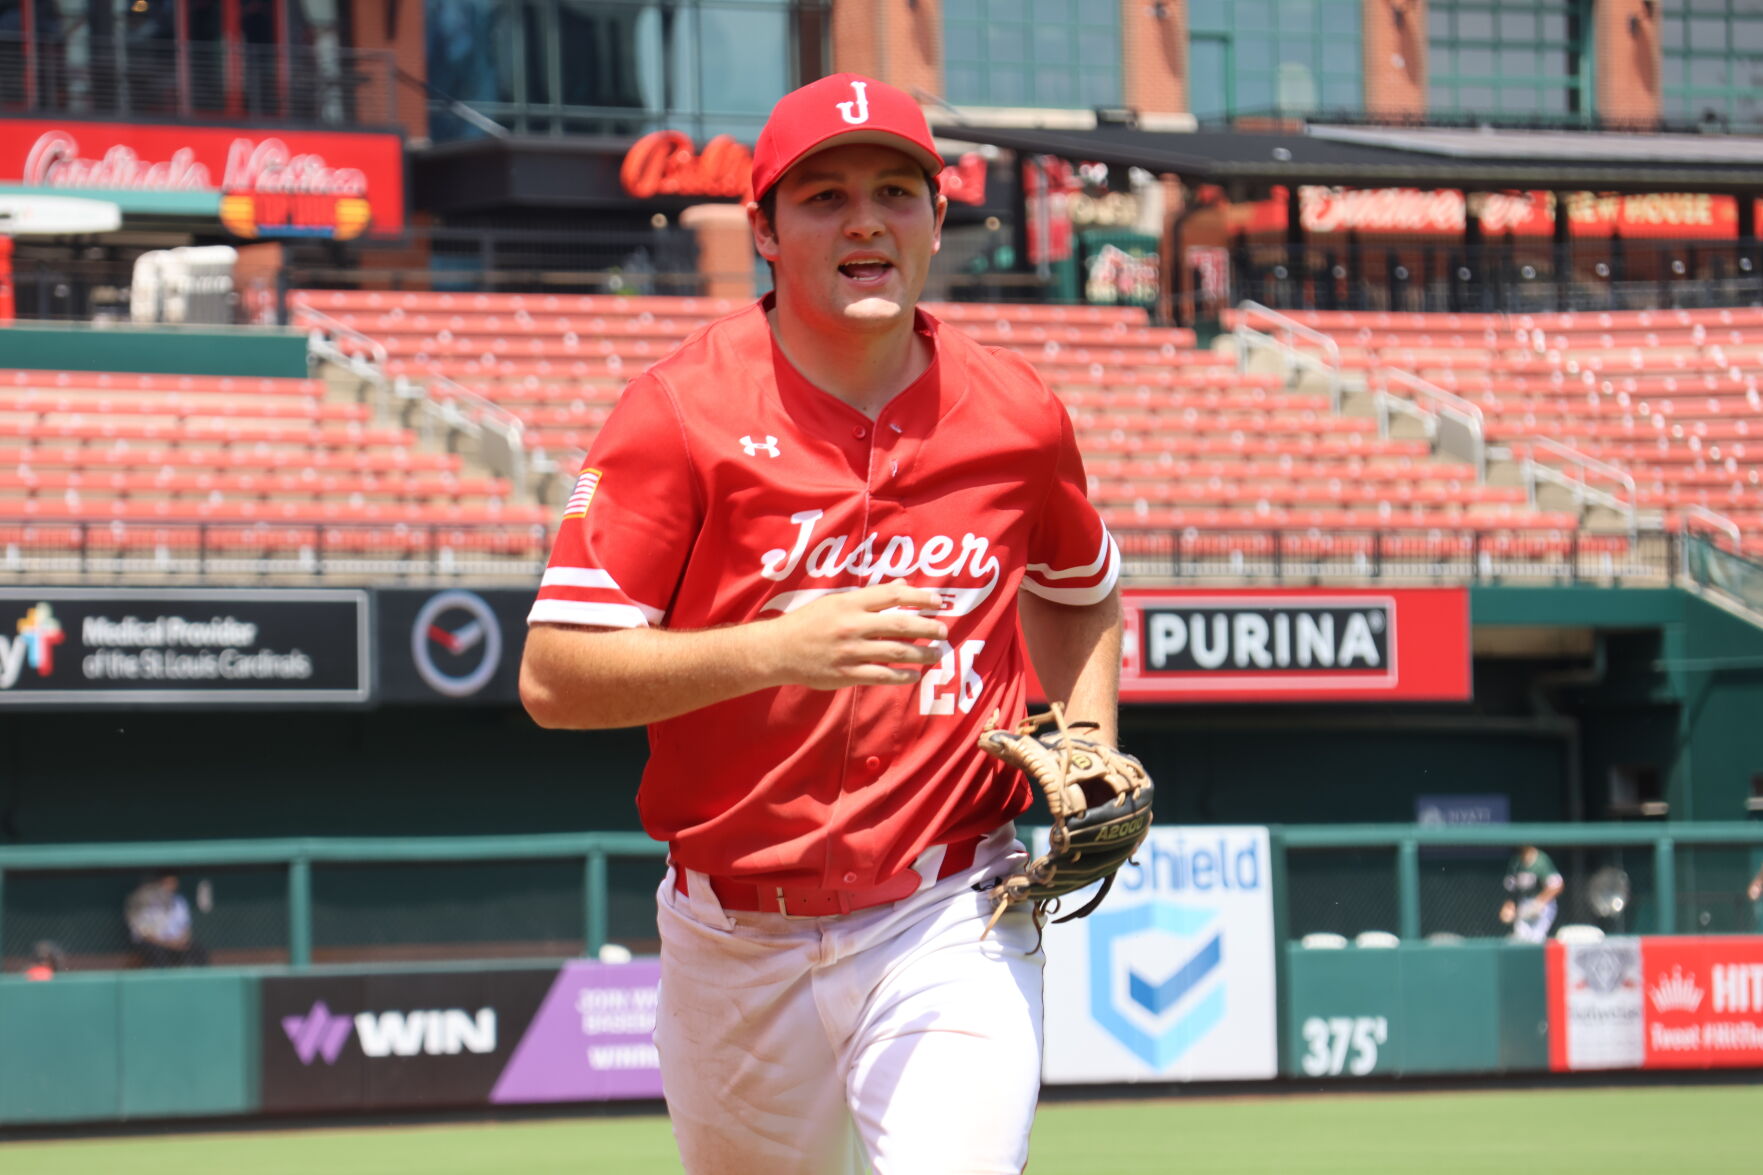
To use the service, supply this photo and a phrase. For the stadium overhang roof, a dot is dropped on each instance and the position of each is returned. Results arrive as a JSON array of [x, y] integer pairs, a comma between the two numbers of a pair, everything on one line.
[[1405, 157]]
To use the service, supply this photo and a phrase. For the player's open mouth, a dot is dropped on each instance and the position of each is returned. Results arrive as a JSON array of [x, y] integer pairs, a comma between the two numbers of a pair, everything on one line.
[[867, 272]]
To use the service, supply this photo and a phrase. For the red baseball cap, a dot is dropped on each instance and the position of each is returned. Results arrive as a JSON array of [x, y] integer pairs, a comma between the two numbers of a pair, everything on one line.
[[843, 108]]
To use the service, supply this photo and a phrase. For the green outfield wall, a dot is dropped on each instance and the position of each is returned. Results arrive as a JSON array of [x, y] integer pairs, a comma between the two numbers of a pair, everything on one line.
[[156, 350], [1415, 1009], [108, 1047]]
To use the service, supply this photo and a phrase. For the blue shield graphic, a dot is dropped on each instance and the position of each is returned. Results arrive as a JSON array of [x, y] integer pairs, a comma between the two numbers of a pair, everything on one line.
[[1158, 1012]]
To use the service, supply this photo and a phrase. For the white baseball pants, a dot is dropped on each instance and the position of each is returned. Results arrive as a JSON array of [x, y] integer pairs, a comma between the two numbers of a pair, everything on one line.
[[893, 1035]]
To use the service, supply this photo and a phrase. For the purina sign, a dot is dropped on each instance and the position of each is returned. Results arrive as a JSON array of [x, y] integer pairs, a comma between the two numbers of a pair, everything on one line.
[[331, 184], [1271, 645]]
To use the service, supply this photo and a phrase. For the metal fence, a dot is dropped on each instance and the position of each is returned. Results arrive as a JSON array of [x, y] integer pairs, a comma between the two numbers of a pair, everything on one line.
[[287, 84], [119, 550], [1500, 275], [1419, 881], [1427, 554], [298, 902]]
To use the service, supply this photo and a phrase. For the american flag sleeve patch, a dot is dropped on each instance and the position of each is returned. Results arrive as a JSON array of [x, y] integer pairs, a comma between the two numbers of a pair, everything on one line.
[[583, 495]]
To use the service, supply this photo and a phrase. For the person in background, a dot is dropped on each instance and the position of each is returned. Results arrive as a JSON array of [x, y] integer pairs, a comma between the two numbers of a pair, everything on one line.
[[159, 924], [1534, 883], [46, 959]]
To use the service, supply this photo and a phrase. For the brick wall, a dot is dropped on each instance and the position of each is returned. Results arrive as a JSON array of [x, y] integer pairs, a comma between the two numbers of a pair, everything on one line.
[[1628, 69], [395, 25], [1154, 59], [896, 41], [1395, 58]]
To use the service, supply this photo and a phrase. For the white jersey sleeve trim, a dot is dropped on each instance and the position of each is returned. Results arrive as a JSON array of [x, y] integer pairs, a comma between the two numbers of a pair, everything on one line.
[[1102, 556], [1079, 597], [598, 615], [585, 577]]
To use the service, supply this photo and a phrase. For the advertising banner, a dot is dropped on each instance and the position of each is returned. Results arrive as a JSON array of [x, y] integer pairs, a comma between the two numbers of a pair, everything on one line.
[[1636, 215], [1172, 979], [259, 183], [460, 1038], [593, 1040], [451, 646], [1704, 1002], [1657, 1003], [196, 646], [1296, 644], [1596, 1009]]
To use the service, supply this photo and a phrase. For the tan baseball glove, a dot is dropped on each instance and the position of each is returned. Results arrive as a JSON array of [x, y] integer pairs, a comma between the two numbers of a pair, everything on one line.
[[1100, 800]]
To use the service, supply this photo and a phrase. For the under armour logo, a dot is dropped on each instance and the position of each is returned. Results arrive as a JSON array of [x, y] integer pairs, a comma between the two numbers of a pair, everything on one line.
[[862, 105], [753, 448]]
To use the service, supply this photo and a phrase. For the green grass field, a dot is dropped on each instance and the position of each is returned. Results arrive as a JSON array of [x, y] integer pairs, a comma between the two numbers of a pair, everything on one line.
[[1657, 1131]]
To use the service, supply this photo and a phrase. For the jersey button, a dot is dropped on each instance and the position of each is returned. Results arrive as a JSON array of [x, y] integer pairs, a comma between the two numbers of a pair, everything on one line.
[[873, 763], [850, 879], [860, 432]]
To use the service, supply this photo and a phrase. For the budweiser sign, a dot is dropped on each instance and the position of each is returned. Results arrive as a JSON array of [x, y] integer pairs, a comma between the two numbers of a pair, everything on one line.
[[1403, 210], [1523, 214]]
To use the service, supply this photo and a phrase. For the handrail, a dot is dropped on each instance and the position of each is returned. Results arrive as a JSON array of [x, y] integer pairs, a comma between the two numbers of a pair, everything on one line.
[[1534, 469], [143, 854], [1715, 520], [1291, 326], [1700, 832], [1471, 446], [328, 325], [508, 456]]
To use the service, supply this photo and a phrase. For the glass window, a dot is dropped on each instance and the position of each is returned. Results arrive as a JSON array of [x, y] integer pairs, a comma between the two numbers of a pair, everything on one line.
[[1046, 53], [612, 66], [1514, 56], [749, 68], [1713, 55], [1258, 57]]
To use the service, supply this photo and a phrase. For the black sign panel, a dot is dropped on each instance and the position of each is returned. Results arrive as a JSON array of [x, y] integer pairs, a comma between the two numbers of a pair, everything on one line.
[[81, 647], [1250, 635], [370, 1041], [452, 645]]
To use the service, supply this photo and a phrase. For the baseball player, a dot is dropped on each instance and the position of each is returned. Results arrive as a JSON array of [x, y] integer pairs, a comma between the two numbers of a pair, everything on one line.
[[1534, 883], [799, 553]]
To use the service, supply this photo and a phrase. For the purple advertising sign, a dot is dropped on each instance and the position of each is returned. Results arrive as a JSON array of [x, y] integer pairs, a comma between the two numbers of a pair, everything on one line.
[[592, 1040]]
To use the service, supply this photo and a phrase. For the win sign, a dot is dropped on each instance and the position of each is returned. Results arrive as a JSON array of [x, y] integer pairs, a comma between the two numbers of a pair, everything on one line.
[[1174, 972]]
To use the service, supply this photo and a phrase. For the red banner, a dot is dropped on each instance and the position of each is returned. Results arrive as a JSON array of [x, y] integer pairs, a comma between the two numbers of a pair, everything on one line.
[[1704, 1004], [279, 183], [1656, 1003], [1293, 645], [1655, 215]]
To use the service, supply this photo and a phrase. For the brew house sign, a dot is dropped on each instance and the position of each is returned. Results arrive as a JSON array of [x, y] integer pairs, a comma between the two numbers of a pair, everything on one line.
[[283, 184]]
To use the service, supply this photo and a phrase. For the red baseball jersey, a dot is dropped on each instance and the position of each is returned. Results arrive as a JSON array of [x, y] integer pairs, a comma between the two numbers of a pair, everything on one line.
[[726, 488]]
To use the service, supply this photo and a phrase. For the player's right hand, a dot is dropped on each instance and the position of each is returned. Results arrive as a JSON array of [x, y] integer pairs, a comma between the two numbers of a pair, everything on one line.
[[1508, 912], [869, 636]]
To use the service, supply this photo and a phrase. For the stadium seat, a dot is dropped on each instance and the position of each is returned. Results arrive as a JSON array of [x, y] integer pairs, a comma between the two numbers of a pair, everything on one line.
[[1322, 940], [1376, 939], [1579, 932]]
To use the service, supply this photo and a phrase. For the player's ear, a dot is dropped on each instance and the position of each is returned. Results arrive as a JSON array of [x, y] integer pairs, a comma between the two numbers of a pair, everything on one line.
[[936, 236], [764, 234]]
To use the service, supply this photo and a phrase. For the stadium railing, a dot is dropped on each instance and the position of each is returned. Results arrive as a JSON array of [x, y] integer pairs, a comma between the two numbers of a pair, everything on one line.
[[392, 900]]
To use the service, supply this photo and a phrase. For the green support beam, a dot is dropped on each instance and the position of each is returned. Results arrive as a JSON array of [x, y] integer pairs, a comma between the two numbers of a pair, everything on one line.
[[596, 894], [300, 912], [1408, 888]]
